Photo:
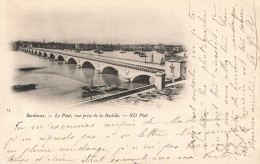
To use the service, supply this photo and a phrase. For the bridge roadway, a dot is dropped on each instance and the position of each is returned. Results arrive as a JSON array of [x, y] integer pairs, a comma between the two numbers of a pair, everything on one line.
[[133, 64]]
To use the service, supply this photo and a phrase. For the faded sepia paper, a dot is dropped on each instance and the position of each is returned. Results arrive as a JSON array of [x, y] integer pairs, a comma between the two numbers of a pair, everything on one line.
[[214, 119]]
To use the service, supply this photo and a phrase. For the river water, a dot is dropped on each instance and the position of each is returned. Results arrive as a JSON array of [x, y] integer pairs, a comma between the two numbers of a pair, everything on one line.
[[57, 82]]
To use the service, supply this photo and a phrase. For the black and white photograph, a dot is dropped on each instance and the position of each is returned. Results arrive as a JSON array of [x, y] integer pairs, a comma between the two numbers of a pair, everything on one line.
[[129, 81], [100, 52]]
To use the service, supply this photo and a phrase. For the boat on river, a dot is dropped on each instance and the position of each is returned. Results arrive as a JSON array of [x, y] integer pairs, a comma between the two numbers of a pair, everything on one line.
[[87, 89], [99, 89], [100, 52], [142, 54], [26, 87], [109, 88], [90, 90]]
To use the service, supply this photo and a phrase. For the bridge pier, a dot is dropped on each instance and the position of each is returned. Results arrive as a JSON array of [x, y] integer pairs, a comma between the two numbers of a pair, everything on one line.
[[127, 79], [160, 81], [97, 71]]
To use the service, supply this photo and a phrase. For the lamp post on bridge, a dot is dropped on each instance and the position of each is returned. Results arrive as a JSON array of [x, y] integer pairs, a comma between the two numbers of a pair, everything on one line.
[[172, 67]]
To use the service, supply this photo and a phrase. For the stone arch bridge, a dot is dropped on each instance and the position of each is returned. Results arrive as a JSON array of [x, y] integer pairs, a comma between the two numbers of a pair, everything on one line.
[[128, 71]]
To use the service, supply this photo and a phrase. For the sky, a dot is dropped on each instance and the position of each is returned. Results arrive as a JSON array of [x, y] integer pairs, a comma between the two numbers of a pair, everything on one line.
[[99, 21]]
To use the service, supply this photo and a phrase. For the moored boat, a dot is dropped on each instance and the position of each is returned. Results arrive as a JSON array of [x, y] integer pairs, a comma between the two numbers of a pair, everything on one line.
[[92, 89], [100, 52], [142, 54], [95, 90], [109, 88], [24, 87], [98, 89]]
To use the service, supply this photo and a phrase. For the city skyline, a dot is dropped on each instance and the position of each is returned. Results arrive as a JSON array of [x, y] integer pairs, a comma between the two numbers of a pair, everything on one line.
[[127, 22], [93, 42]]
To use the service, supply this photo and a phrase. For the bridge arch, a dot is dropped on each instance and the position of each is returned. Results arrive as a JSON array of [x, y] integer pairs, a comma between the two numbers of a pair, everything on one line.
[[87, 64], [145, 79], [45, 54], [35, 52], [40, 53], [109, 70], [60, 58], [51, 56], [72, 61]]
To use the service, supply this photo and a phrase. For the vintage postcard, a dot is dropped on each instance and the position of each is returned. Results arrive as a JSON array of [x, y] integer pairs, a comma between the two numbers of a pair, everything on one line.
[[129, 81]]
